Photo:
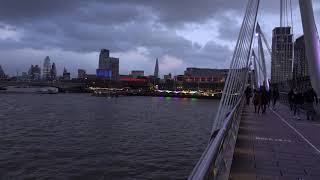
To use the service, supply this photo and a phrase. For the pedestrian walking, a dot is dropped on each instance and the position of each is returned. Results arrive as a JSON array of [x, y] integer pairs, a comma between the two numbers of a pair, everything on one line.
[[269, 96], [248, 94], [257, 101], [264, 99], [291, 99], [275, 96], [310, 97], [297, 103]]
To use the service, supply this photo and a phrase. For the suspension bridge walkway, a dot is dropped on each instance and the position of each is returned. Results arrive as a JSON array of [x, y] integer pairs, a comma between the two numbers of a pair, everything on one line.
[[276, 145], [246, 146]]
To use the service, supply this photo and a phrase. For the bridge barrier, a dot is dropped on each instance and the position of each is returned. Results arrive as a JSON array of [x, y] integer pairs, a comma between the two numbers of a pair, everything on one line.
[[215, 162]]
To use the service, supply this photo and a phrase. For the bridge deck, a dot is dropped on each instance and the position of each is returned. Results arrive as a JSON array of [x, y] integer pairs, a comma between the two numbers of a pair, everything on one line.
[[276, 146]]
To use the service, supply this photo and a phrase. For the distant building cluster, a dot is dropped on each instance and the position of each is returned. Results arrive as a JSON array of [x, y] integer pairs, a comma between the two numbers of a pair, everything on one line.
[[107, 75], [289, 60], [48, 72]]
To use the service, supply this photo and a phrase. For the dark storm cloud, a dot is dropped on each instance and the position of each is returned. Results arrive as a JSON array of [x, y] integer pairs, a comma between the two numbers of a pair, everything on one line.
[[79, 25], [178, 11], [82, 26]]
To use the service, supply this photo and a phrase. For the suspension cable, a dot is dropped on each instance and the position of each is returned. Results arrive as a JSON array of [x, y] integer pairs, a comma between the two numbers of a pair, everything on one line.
[[292, 31]]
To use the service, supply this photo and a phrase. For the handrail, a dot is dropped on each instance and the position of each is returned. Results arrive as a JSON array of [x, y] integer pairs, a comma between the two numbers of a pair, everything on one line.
[[208, 167]]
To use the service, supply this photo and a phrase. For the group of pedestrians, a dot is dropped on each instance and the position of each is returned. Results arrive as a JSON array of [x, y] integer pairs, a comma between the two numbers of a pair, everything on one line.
[[299, 100], [262, 98]]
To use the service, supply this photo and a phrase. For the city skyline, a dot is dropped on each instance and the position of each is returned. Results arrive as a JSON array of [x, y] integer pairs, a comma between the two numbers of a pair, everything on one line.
[[179, 39]]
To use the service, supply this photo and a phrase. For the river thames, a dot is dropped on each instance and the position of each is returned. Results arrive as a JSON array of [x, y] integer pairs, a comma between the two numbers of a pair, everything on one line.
[[77, 136]]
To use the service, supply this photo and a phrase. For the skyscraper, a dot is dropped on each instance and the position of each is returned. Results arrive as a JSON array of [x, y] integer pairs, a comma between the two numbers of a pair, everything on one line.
[[82, 74], [34, 73], [46, 72], [108, 66], [300, 65], [53, 72], [282, 55], [103, 59], [156, 70], [66, 74], [2, 74]]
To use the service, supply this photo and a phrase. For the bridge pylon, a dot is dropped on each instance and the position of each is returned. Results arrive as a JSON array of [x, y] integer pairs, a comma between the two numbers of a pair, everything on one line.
[[311, 42]]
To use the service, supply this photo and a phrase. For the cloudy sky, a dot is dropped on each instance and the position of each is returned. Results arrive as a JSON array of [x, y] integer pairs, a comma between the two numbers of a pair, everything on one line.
[[181, 33]]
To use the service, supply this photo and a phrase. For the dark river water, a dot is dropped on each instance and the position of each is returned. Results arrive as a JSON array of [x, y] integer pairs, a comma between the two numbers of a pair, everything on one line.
[[76, 136]]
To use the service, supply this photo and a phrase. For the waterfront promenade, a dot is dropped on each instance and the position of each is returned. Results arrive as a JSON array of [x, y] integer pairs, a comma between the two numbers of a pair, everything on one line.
[[276, 146]]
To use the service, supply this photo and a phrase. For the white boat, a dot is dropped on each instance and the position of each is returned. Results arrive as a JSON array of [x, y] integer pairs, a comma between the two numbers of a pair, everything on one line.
[[49, 90], [41, 90]]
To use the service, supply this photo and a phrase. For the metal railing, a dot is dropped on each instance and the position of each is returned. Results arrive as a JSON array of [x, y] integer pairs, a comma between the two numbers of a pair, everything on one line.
[[215, 162]]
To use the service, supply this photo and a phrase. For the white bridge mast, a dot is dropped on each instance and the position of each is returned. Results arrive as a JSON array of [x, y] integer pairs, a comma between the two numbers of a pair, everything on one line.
[[311, 42]]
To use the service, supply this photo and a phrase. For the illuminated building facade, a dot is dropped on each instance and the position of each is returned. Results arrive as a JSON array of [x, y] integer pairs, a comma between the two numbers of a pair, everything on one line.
[[205, 75]]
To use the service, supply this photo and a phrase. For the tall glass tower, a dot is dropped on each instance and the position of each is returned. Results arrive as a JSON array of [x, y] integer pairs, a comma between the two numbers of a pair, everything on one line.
[[156, 70], [46, 69]]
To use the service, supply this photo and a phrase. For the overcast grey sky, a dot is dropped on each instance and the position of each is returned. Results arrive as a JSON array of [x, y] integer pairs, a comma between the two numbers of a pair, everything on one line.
[[181, 33]]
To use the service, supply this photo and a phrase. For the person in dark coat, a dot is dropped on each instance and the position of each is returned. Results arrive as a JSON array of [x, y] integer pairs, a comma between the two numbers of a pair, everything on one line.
[[269, 96], [275, 96], [291, 99], [257, 100], [264, 99], [310, 97], [297, 102], [248, 94]]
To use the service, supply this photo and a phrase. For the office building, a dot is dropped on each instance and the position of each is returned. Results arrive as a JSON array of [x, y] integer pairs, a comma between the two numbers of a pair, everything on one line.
[[167, 77], [205, 75], [66, 74], [108, 66], [53, 72], [282, 55], [34, 73], [82, 74], [137, 73], [2, 74], [24, 76], [103, 59], [300, 65]]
